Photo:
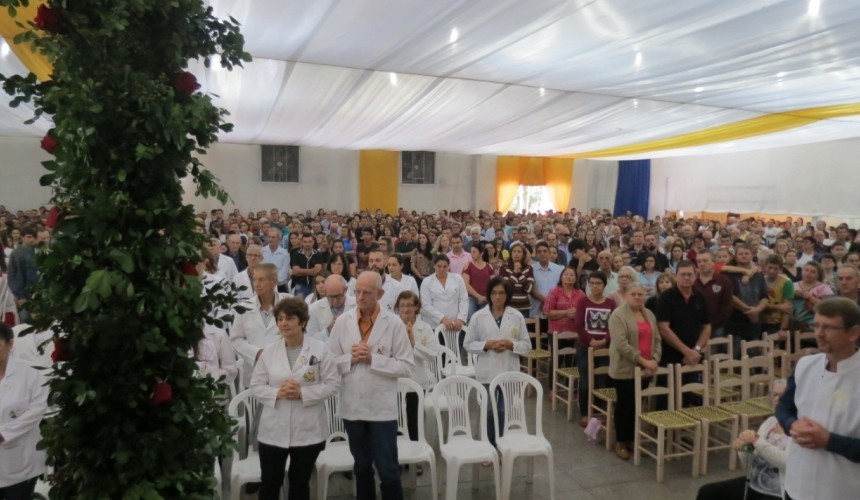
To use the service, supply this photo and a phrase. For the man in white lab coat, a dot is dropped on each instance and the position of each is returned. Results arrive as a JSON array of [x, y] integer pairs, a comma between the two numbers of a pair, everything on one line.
[[372, 350], [257, 327], [326, 310]]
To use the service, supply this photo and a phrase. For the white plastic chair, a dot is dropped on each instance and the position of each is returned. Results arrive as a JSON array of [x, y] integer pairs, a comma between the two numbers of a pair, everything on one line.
[[516, 440], [243, 470], [458, 445], [452, 365], [408, 451], [434, 375], [336, 456], [453, 362]]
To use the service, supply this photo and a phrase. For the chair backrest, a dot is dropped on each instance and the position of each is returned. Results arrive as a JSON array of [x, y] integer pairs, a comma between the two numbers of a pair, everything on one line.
[[780, 346], [533, 327], [799, 337], [433, 368], [406, 386], [756, 372], [719, 348], [457, 391], [336, 429], [567, 350], [725, 374], [789, 361], [654, 389], [447, 358], [756, 348], [512, 386], [449, 338], [700, 385], [243, 409], [593, 370]]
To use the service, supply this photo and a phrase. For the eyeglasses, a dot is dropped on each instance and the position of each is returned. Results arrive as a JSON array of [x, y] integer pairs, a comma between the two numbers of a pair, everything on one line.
[[257, 255], [826, 328], [335, 297]]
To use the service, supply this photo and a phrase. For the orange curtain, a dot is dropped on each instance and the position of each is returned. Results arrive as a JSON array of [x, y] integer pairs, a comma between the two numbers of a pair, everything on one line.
[[509, 172], [532, 171], [34, 61], [558, 175], [378, 180]]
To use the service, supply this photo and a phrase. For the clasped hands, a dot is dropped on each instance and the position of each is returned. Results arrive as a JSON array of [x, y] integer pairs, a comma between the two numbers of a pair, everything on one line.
[[809, 434], [361, 353], [744, 438], [290, 390], [499, 345], [452, 325]]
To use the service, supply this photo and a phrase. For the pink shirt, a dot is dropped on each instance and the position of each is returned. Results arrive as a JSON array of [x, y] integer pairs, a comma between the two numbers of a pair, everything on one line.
[[644, 329], [558, 300], [458, 262]]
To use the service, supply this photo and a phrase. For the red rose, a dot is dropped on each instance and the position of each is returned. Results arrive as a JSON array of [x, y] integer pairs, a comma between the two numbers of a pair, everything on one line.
[[185, 83], [161, 393], [53, 217], [49, 144], [189, 268], [62, 350], [48, 19]]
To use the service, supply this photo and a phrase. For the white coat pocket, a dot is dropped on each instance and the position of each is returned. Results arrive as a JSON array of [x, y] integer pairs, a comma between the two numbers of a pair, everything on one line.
[[311, 375], [15, 459]]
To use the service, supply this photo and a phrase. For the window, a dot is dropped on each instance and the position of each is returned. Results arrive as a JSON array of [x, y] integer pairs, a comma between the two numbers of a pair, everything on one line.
[[280, 164], [531, 199], [418, 167]]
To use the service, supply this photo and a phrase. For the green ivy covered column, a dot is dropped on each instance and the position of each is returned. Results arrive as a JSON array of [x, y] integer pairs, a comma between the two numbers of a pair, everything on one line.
[[132, 420]]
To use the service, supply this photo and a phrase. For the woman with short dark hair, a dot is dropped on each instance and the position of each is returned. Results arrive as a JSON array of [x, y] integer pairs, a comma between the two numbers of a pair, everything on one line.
[[292, 380]]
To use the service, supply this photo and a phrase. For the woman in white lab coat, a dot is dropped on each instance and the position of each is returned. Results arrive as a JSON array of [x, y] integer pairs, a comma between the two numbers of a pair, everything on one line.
[[425, 344], [292, 379], [214, 352], [498, 335], [23, 400]]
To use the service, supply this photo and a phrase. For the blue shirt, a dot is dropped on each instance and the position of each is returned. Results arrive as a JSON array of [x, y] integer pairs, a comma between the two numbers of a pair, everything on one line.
[[281, 259], [545, 280]]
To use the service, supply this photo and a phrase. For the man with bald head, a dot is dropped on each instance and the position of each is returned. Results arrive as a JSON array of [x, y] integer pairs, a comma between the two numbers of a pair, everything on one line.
[[371, 350], [326, 310]]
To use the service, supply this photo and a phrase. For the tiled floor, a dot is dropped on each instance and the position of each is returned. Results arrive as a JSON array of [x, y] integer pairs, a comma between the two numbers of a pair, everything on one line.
[[583, 470]]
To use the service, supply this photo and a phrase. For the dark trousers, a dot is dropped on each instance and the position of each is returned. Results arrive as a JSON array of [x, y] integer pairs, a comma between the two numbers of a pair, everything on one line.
[[374, 444], [273, 461], [625, 409], [19, 491], [729, 490], [491, 424], [582, 362], [412, 415]]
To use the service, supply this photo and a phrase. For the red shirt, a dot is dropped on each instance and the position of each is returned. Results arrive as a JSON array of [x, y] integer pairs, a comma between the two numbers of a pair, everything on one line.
[[592, 320], [644, 329], [558, 300]]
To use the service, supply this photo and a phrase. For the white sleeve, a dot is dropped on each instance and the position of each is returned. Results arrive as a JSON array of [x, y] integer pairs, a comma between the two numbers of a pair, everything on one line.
[[401, 362], [463, 300], [260, 383], [32, 414], [522, 344], [342, 360], [239, 338], [473, 342], [430, 313]]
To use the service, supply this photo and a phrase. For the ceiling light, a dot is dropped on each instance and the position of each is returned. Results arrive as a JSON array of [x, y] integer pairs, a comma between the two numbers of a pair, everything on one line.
[[392, 77], [780, 74], [638, 61], [814, 8], [699, 89], [635, 103], [4, 48], [542, 91], [454, 36]]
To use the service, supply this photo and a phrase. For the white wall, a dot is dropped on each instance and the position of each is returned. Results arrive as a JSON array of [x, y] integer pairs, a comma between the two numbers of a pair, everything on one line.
[[20, 168], [594, 184], [454, 188], [811, 179], [328, 178]]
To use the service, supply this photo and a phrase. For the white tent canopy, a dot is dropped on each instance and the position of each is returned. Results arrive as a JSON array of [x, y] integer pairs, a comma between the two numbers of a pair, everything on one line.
[[542, 77]]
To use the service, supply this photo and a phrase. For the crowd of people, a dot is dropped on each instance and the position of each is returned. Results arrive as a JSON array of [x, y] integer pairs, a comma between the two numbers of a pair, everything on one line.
[[347, 303]]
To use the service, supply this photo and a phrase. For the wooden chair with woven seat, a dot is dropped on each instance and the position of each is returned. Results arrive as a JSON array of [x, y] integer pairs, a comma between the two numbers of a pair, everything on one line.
[[601, 400], [664, 422], [801, 338], [538, 355], [757, 375], [754, 348], [719, 348], [746, 411], [719, 427], [726, 380], [564, 378]]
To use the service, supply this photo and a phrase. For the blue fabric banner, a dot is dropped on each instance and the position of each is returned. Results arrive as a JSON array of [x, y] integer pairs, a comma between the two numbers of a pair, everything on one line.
[[633, 188]]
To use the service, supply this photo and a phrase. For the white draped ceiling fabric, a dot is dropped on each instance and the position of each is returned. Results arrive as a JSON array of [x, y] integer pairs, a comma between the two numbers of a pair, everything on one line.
[[537, 77]]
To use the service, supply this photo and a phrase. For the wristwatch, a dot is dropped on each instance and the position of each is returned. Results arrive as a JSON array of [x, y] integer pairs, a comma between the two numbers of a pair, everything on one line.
[[698, 348]]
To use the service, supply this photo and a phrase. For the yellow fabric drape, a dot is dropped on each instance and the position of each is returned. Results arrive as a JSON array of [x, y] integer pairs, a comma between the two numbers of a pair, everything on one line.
[[378, 180], [509, 171], [515, 171], [558, 173], [34, 61], [760, 125]]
